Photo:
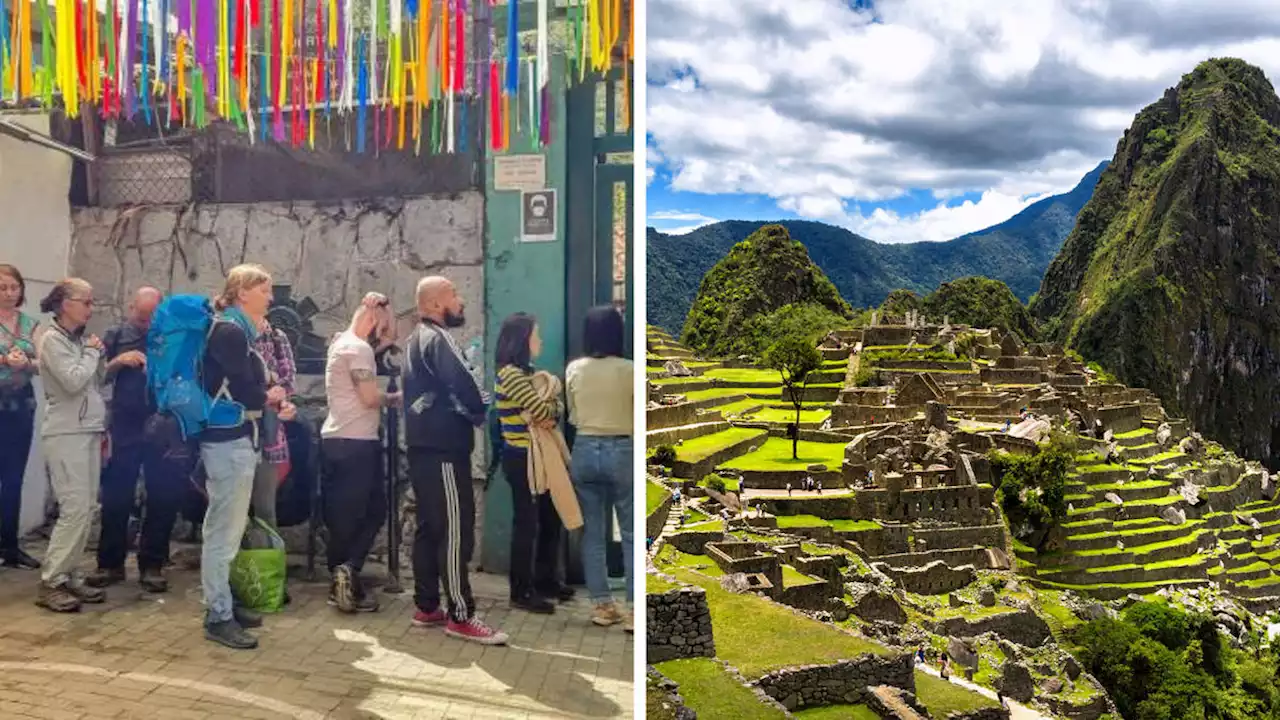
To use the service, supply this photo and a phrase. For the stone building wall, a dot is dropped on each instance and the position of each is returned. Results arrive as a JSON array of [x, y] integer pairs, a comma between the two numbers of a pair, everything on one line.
[[678, 623], [845, 682]]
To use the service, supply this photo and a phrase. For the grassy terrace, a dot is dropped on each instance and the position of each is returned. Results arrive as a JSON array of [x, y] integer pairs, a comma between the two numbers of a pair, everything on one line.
[[709, 690], [654, 494], [786, 415], [942, 698], [792, 577], [703, 447], [1189, 539], [775, 454], [757, 636], [802, 521]]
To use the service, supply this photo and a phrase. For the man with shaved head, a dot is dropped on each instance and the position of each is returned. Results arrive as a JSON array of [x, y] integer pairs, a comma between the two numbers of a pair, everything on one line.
[[443, 405], [131, 453]]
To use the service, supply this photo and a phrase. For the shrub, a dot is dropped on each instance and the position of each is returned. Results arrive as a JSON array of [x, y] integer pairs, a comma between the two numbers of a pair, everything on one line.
[[714, 482], [1032, 489], [665, 456]]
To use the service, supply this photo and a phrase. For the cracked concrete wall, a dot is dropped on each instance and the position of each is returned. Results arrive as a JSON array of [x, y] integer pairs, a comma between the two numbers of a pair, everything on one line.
[[331, 252]]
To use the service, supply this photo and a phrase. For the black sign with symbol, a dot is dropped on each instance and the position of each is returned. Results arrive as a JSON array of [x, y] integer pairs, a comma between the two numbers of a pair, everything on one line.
[[538, 215]]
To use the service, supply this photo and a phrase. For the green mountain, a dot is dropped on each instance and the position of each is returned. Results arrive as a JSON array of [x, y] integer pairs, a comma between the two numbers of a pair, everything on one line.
[[976, 301], [761, 274], [1015, 252], [1168, 279]]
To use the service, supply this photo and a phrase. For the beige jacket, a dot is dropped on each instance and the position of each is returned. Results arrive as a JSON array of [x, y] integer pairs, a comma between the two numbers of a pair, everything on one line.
[[549, 458]]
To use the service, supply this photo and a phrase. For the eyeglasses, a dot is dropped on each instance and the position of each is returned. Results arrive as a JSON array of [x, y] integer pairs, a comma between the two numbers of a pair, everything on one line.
[[87, 302]]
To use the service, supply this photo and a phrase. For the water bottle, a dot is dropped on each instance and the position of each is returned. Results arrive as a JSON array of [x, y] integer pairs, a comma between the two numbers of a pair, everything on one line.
[[475, 362]]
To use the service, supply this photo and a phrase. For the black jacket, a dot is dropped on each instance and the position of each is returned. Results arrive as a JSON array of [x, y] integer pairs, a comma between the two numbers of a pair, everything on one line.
[[442, 402], [229, 357], [131, 403]]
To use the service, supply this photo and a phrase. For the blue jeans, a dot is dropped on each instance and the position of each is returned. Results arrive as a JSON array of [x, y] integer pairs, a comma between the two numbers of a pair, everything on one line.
[[602, 470], [229, 467]]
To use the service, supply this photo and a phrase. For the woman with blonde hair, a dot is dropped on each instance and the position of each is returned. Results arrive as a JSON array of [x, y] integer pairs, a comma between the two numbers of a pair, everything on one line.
[[233, 370], [18, 339], [71, 438]]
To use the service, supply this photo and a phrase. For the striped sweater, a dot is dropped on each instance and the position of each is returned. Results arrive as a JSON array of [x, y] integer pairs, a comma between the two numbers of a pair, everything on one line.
[[515, 395]]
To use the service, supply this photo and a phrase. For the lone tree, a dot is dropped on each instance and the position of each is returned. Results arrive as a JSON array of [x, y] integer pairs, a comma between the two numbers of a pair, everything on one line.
[[795, 356]]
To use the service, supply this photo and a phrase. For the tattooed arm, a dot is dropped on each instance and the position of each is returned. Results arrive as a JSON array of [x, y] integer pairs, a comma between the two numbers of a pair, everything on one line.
[[365, 379]]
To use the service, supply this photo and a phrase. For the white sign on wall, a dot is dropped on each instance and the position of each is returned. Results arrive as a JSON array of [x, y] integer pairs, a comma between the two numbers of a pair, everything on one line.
[[519, 172]]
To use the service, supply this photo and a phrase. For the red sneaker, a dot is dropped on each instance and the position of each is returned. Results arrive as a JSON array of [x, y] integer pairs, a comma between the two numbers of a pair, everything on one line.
[[476, 631], [431, 619]]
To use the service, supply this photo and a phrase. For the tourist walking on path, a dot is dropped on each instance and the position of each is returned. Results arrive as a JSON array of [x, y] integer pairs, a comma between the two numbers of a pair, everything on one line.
[[231, 367], [282, 373], [601, 397], [75, 419], [443, 407], [18, 336], [534, 461], [355, 499], [132, 453]]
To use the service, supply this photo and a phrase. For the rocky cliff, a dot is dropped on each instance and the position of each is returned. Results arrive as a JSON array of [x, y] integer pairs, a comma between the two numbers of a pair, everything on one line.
[[1170, 275]]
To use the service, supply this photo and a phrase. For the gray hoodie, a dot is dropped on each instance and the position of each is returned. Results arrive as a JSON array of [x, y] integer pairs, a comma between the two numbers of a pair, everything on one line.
[[72, 379]]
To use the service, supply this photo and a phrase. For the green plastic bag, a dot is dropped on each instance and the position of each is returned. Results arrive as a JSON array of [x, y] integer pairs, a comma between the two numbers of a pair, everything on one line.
[[258, 571]]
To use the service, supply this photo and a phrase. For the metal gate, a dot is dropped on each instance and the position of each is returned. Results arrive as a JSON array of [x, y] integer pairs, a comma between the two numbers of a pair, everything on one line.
[[600, 197]]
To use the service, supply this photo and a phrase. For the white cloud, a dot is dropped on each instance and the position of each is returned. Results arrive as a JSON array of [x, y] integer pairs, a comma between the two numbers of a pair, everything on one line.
[[826, 112], [692, 221]]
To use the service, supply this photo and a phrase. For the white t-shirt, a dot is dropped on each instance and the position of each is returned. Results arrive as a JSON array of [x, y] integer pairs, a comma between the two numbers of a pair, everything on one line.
[[349, 417], [601, 394]]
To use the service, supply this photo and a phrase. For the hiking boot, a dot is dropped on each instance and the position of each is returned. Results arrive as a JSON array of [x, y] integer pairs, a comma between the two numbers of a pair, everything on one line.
[[367, 603], [86, 592], [434, 618], [230, 633], [534, 603], [105, 577], [58, 598], [246, 617], [606, 614], [153, 581], [17, 558], [344, 588], [476, 632]]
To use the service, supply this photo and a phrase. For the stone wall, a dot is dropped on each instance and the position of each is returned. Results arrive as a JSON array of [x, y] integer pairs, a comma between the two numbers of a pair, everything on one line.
[[678, 624], [845, 682], [987, 713], [658, 518], [932, 579], [1023, 627], [685, 413], [710, 424], [332, 253]]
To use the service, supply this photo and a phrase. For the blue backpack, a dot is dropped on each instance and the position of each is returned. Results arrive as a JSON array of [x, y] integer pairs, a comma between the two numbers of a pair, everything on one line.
[[176, 344]]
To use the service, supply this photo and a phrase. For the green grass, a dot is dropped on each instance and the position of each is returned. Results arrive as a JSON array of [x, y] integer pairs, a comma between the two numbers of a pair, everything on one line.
[[731, 484], [842, 525], [745, 375], [942, 698], [786, 415], [669, 559], [1140, 432], [837, 712], [775, 454], [654, 495], [709, 690], [656, 585], [703, 447], [756, 635], [792, 577], [738, 406], [1139, 550]]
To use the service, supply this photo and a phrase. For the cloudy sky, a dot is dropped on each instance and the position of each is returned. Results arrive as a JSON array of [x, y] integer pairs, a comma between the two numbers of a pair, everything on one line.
[[910, 119]]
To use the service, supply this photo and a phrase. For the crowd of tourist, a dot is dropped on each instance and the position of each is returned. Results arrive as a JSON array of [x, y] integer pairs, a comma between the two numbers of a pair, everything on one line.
[[234, 467]]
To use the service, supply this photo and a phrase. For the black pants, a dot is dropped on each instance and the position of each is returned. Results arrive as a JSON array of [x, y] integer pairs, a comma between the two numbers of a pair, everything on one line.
[[17, 426], [445, 539], [166, 486], [535, 532], [355, 500]]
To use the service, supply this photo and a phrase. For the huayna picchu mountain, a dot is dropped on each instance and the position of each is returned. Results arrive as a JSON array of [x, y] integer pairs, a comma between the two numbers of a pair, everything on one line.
[[1170, 277], [761, 274]]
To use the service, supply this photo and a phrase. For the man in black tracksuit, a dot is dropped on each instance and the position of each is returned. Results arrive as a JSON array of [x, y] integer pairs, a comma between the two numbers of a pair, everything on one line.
[[443, 406]]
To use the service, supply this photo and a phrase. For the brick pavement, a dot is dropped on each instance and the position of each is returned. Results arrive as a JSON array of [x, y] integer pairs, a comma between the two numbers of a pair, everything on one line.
[[144, 656]]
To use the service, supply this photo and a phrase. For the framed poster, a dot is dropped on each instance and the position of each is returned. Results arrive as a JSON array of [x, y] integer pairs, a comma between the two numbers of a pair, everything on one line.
[[538, 216]]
